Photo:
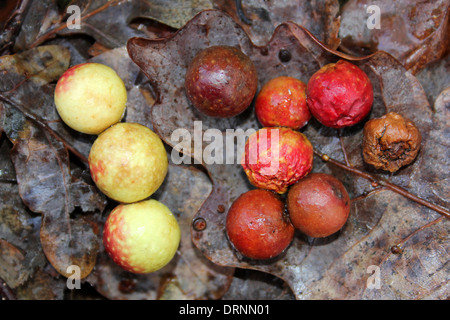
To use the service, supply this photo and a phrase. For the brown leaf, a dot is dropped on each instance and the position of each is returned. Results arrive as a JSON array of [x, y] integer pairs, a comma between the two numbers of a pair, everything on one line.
[[26, 93], [255, 285], [414, 32], [108, 22], [11, 262], [43, 286], [41, 159], [260, 18], [437, 155], [47, 187], [21, 253], [305, 265], [435, 77], [414, 274]]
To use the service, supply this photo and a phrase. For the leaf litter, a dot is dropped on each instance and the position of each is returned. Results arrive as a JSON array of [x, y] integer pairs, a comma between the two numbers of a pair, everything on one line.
[[49, 197]]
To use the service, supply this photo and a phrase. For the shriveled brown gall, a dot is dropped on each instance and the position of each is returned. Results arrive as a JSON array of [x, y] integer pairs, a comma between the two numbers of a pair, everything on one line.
[[390, 142]]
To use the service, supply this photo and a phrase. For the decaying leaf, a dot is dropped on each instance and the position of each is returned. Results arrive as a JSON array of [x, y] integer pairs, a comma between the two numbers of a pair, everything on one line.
[[41, 159], [65, 241], [414, 32], [21, 255], [435, 77], [51, 214], [259, 18], [255, 285], [306, 264], [108, 22]]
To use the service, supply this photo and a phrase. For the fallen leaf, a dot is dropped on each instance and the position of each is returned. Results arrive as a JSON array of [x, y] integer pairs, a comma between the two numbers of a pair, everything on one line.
[[315, 269], [41, 159], [21, 255], [108, 22], [260, 18], [416, 33]]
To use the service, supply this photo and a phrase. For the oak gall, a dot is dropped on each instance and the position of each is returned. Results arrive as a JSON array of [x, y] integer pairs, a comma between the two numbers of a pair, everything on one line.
[[257, 225], [221, 81], [390, 142], [339, 94], [318, 205]]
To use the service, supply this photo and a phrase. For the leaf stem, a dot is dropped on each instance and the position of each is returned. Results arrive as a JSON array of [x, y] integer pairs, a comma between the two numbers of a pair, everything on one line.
[[429, 224], [341, 140], [366, 194], [399, 246], [37, 120], [63, 25], [389, 185]]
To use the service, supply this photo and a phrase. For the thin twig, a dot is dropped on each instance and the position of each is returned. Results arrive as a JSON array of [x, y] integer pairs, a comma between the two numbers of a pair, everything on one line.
[[400, 244], [344, 152], [12, 27], [41, 123], [429, 224], [63, 25], [367, 194], [389, 185]]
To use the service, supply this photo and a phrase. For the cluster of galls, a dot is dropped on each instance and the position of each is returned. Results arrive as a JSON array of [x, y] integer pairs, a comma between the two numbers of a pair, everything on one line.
[[127, 162], [278, 159]]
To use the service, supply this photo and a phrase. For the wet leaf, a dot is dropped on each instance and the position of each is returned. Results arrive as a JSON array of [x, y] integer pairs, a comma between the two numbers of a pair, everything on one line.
[[255, 285], [437, 153], [41, 159], [435, 77], [11, 260], [260, 18], [20, 259], [414, 274], [335, 266], [25, 84], [108, 22], [414, 32], [21, 255], [54, 183], [45, 285]]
